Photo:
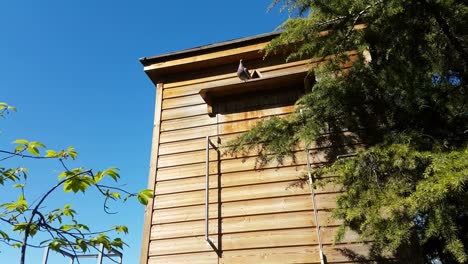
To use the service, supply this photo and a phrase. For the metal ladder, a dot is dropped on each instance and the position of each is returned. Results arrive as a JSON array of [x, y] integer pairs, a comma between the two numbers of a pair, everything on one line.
[[99, 256]]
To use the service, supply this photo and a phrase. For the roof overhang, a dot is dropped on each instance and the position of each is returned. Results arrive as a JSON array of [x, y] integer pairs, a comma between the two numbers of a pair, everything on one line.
[[199, 58]]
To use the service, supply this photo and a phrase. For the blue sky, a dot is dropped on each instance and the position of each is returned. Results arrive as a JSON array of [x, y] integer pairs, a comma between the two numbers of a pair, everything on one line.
[[72, 70]]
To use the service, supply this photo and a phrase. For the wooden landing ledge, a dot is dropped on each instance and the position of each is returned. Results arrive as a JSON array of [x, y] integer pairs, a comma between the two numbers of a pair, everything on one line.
[[215, 94]]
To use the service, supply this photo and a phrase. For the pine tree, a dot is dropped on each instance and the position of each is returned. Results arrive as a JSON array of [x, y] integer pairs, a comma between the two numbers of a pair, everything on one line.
[[407, 189]]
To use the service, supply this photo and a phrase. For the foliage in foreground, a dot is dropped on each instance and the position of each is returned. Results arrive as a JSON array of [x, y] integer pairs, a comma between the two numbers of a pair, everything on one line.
[[25, 219], [408, 105]]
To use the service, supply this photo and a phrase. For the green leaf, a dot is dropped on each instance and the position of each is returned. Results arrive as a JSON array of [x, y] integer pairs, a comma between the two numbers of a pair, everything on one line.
[[56, 244], [66, 227], [81, 243], [118, 243], [116, 195], [19, 185], [20, 227], [19, 148], [33, 150], [121, 229], [144, 195], [4, 235], [21, 141], [37, 144], [51, 153], [17, 245], [71, 152], [68, 211], [33, 228]]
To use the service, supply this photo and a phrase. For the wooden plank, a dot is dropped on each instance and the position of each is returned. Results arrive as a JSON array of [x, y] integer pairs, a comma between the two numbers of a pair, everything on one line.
[[199, 143], [152, 174], [190, 133], [191, 144], [352, 253], [227, 165], [181, 214], [184, 112], [180, 245], [188, 157], [297, 254], [243, 208], [281, 81], [202, 120], [276, 238], [273, 238], [231, 179], [266, 206], [182, 146], [193, 258], [189, 100], [234, 225], [195, 81], [277, 255], [205, 57], [192, 87], [255, 114], [183, 229], [230, 194], [267, 222], [243, 224], [211, 130], [276, 205], [248, 240], [241, 193], [325, 201], [188, 122], [198, 156]]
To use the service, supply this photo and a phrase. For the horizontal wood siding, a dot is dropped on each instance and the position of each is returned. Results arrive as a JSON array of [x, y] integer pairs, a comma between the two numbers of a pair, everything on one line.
[[257, 215]]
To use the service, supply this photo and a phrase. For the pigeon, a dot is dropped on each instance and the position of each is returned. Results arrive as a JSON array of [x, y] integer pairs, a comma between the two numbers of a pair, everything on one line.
[[243, 72]]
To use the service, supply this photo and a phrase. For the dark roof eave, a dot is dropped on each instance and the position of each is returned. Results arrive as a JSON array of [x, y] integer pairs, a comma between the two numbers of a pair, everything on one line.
[[204, 49]]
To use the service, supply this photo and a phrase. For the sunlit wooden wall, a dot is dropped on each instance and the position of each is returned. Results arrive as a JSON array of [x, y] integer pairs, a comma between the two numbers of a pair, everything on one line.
[[256, 215]]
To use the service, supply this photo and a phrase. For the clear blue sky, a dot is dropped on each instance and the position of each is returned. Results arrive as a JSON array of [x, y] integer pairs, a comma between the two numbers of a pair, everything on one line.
[[72, 70]]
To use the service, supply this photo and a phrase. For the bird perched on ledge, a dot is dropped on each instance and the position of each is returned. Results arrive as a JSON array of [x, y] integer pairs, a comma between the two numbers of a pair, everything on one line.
[[243, 72]]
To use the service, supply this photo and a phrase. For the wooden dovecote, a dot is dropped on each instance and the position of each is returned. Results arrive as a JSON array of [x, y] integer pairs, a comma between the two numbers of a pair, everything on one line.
[[254, 215]]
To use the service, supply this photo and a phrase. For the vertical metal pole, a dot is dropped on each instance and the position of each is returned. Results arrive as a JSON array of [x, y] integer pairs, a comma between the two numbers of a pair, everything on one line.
[[100, 254], [314, 203], [46, 255], [207, 186]]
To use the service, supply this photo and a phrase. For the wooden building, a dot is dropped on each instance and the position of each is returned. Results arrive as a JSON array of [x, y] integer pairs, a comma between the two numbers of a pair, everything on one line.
[[254, 215]]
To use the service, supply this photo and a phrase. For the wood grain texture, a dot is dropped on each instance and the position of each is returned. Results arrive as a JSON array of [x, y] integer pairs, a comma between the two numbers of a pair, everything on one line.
[[205, 57], [194, 258], [248, 240], [257, 214], [238, 224], [278, 255], [231, 179], [249, 192], [152, 175], [238, 164], [231, 209], [212, 129]]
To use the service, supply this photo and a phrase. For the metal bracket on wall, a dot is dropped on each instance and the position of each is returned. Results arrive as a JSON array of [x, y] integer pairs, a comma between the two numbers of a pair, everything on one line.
[[209, 144]]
